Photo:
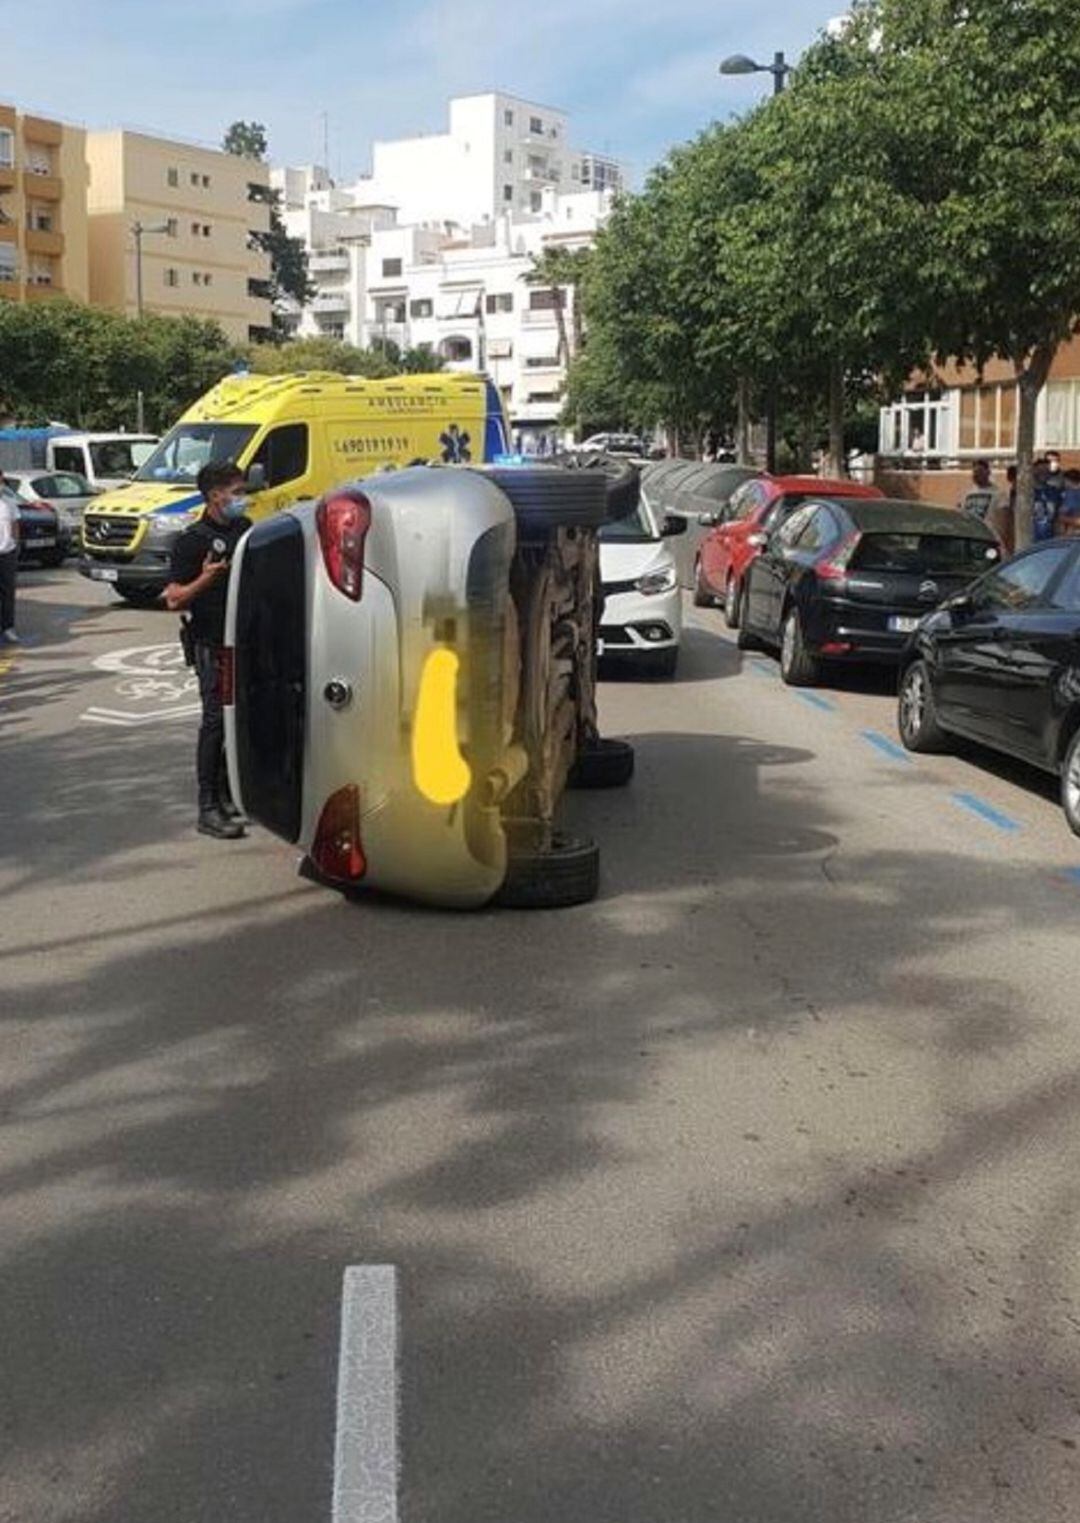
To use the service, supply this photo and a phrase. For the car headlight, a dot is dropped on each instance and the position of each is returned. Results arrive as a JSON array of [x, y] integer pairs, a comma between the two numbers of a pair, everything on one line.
[[165, 525], [654, 582]]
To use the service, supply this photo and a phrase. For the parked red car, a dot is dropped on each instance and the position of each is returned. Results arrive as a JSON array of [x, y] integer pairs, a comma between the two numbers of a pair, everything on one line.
[[736, 537]]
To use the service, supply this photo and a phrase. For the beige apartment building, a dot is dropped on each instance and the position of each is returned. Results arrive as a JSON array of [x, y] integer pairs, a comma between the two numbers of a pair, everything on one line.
[[43, 225], [197, 208]]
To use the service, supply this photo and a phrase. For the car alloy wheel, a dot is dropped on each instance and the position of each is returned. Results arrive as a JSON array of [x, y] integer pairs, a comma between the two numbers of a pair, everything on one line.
[[732, 601], [913, 703], [798, 667], [1070, 785]]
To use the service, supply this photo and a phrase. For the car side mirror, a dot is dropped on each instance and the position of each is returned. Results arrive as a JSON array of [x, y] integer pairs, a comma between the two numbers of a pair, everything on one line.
[[673, 526], [256, 477]]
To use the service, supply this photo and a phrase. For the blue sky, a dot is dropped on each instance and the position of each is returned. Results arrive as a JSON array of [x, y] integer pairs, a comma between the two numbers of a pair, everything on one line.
[[634, 82]]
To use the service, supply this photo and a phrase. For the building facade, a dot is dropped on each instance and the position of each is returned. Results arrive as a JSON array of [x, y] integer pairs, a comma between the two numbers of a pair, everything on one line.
[[932, 435], [43, 223], [198, 208]]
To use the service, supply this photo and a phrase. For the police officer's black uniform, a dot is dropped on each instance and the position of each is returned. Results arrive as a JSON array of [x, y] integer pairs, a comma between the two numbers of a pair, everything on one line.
[[206, 627]]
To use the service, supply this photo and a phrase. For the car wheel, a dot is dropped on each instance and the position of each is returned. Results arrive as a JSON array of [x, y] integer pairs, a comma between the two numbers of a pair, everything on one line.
[[732, 603], [1070, 785], [703, 598], [798, 667], [916, 716], [549, 880], [140, 597], [603, 764], [553, 498]]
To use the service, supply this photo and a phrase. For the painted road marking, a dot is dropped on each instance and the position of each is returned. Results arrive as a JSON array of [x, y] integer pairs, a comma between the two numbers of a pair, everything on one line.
[[887, 747], [143, 660], [816, 701], [129, 720], [977, 806], [763, 669], [366, 1448], [6, 663], [1072, 875]]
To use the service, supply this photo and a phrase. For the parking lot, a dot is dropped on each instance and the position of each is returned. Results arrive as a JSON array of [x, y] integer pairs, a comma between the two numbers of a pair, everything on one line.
[[744, 1192]]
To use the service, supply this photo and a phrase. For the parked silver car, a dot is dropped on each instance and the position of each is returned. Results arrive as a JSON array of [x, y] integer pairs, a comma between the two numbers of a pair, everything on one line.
[[65, 491]]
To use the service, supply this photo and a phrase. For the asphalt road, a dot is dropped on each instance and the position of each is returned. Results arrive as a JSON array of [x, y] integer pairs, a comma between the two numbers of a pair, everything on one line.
[[747, 1194]]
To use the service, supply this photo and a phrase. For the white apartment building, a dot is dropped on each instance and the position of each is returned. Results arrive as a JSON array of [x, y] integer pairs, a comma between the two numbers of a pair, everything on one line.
[[435, 246]]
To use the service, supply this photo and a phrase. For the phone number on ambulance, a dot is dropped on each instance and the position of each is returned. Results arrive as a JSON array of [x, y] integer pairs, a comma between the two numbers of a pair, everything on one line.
[[396, 444]]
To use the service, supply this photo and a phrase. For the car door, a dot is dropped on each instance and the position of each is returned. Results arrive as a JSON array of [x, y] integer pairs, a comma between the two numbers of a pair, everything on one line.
[[990, 668], [716, 547], [769, 574], [734, 554]]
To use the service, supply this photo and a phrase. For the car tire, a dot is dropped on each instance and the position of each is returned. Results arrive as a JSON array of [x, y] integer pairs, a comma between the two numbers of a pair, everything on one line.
[[732, 603], [744, 640], [603, 764], [1070, 784], [916, 716], [555, 497], [703, 598], [568, 874], [140, 597], [798, 668]]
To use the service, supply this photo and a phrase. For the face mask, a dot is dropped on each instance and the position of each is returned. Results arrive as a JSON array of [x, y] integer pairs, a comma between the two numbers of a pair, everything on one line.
[[235, 508]]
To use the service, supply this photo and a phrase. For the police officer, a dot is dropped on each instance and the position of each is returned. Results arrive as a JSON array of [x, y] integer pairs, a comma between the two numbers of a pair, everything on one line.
[[198, 587]]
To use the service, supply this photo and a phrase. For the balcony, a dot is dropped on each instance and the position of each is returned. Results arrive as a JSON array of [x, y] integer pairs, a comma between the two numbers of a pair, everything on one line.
[[332, 301], [43, 290], [40, 240], [539, 318], [10, 282], [9, 231], [328, 264], [39, 129], [39, 185], [8, 176]]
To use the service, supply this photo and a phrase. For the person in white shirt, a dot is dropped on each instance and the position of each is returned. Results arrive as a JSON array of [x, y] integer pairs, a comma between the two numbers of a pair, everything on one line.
[[9, 561]]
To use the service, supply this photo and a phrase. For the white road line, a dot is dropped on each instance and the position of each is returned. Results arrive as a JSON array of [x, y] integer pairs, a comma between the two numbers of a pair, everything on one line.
[[366, 1451], [129, 720]]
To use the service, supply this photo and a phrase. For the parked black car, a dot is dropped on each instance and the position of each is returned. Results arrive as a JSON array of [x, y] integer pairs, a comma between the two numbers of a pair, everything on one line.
[[42, 537], [1000, 664], [849, 580]]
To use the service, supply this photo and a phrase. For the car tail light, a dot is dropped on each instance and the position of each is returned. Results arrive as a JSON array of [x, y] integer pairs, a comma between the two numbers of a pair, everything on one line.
[[227, 676], [836, 647], [336, 850], [343, 522], [834, 567]]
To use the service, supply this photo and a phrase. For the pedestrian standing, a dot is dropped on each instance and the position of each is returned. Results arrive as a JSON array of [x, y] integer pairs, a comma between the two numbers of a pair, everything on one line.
[[1068, 519], [9, 561], [985, 501], [1049, 490], [198, 588]]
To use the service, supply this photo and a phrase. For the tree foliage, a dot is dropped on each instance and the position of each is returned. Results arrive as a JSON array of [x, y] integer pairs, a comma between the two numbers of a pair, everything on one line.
[[62, 361], [289, 275]]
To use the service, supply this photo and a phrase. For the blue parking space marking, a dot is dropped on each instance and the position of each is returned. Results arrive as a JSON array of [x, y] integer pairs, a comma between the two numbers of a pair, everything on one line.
[[1072, 875], [816, 701], [887, 747], [763, 669], [984, 811]]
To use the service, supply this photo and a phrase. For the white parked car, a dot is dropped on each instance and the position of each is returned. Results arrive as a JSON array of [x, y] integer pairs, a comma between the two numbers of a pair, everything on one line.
[[627, 446], [409, 681], [642, 618], [65, 491]]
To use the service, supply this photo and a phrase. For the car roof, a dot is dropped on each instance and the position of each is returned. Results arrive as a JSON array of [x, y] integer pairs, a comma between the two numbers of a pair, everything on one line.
[[825, 486], [901, 516]]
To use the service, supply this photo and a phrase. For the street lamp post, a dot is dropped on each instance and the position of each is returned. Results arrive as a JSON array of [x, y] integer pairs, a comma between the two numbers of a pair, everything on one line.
[[738, 63], [138, 229]]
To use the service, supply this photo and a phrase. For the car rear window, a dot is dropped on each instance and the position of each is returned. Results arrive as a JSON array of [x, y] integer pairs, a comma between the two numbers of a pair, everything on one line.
[[923, 552]]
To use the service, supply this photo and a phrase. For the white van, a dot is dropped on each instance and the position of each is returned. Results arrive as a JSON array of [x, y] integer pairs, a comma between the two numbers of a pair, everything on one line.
[[106, 460]]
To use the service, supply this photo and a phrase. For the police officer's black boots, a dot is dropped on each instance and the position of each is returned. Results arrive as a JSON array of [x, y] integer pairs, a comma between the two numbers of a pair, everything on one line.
[[213, 821]]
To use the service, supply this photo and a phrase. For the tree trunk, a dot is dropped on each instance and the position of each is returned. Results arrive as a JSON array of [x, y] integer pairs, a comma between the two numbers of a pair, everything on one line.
[[742, 427], [1030, 380], [560, 324], [837, 463], [576, 327]]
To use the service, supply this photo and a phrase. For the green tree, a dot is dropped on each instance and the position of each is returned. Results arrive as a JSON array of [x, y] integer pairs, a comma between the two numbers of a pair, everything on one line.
[[289, 275], [986, 143], [563, 271]]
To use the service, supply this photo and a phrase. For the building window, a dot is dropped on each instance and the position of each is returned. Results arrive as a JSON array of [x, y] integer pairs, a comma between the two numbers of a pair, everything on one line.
[[575, 171], [172, 177], [543, 300], [988, 419], [535, 124], [1062, 429], [206, 182], [536, 200], [500, 301], [284, 453], [172, 277], [508, 117], [456, 349], [508, 155], [508, 192], [7, 148], [172, 227], [196, 278], [194, 179], [422, 307], [917, 425], [542, 362], [194, 229], [206, 230], [391, 268]]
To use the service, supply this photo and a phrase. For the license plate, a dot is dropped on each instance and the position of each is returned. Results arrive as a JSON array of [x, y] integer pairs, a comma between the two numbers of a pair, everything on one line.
[[104, 574], [599, 647], [903, 623]]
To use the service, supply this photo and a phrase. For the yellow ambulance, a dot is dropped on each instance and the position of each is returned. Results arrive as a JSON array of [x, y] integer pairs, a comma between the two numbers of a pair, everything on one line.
[[294, 436]]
